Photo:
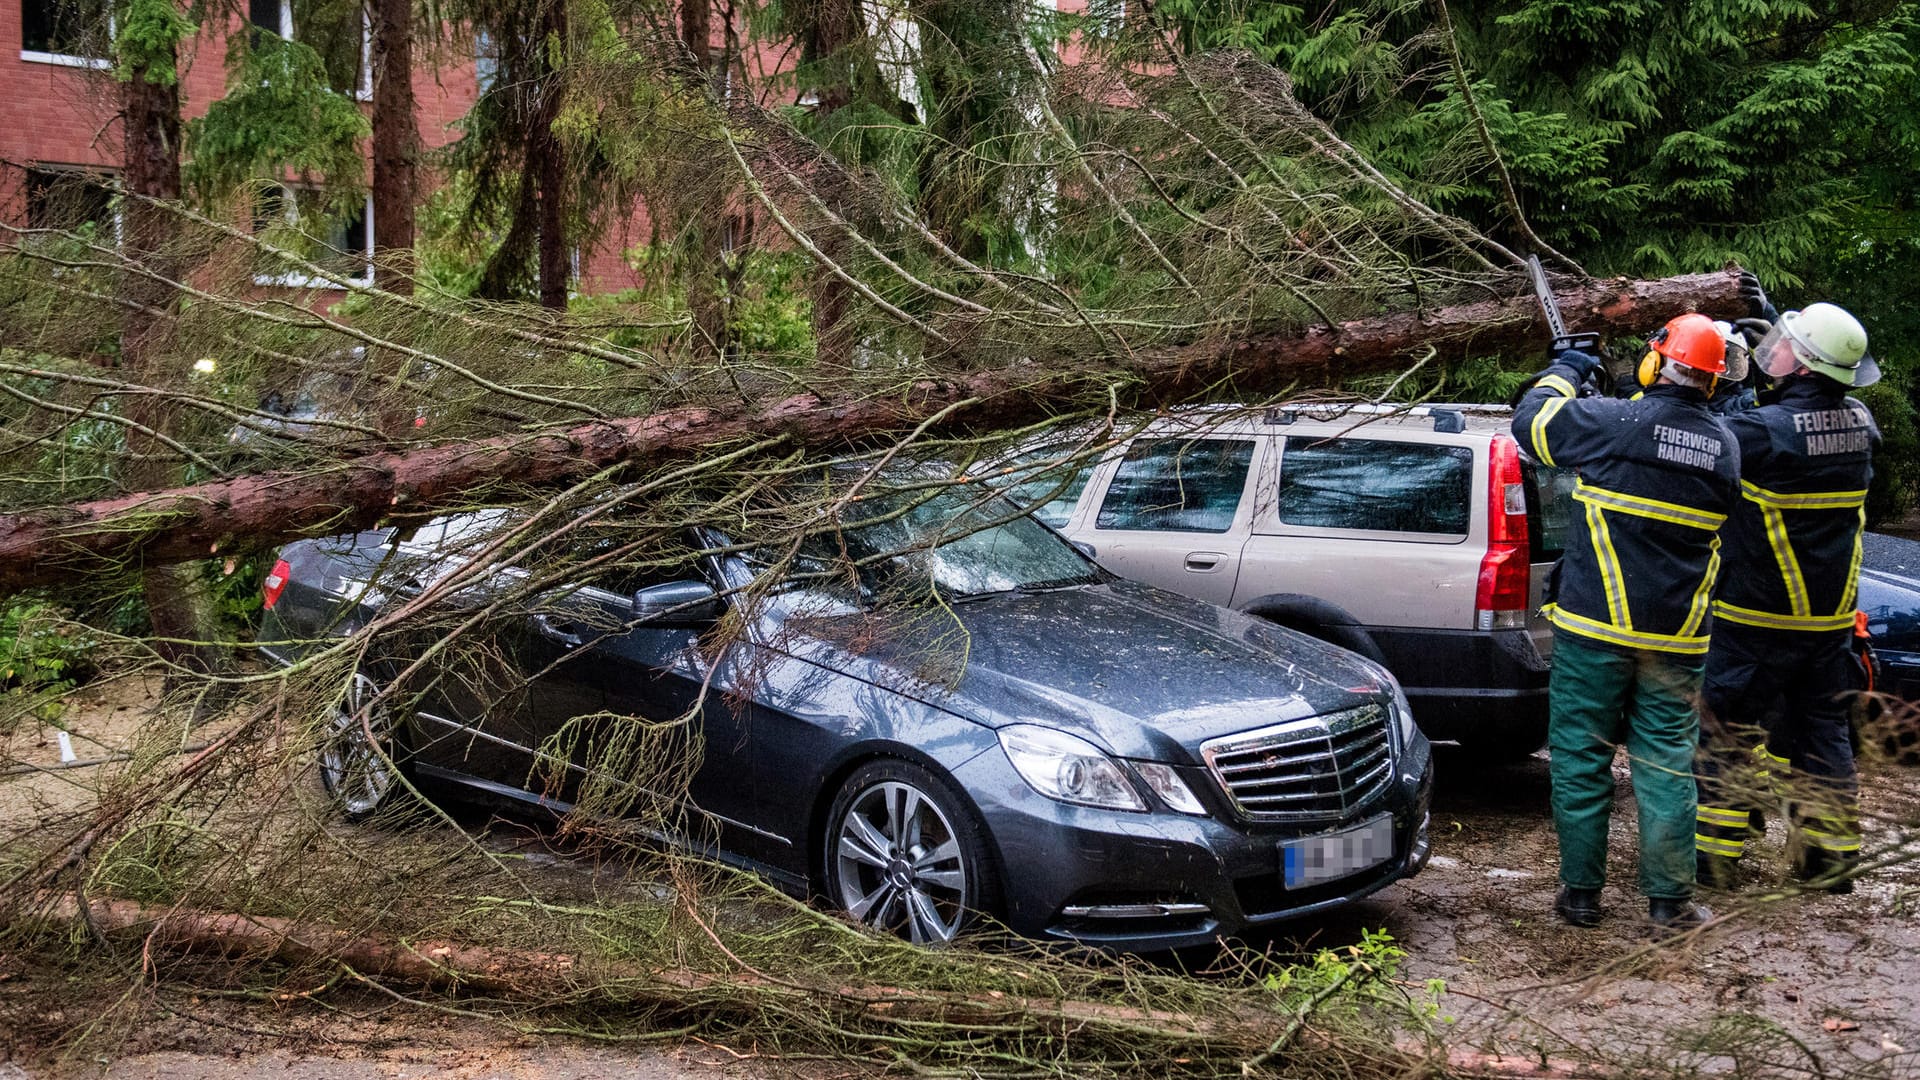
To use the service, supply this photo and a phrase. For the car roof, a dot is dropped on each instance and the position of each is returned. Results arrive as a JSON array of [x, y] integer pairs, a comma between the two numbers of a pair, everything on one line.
[[1469, 420]]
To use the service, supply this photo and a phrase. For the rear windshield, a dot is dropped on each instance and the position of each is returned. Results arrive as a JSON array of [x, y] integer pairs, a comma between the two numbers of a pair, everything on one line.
[[1550, 509], [1376, 484]]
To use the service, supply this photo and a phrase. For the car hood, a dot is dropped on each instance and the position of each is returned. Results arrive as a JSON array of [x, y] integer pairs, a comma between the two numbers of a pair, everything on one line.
[[1890, 591], [1141, 672]]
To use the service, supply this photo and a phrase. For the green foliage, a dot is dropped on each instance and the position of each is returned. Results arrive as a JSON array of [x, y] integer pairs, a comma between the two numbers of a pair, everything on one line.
[[1644, 139], [41, 647], [146, 41], [280, 113]]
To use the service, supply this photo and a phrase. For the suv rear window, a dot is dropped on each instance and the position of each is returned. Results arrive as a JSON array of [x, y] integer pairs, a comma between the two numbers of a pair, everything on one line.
[[1377, 485], [1550, 509], [1177, 485]]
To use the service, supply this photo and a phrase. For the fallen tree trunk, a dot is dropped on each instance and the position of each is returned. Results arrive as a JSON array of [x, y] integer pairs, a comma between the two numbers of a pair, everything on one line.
[[522, 975], [254, 511]]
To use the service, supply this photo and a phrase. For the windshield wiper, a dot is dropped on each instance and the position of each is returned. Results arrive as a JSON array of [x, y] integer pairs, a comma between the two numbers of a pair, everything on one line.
[[1055, 584]]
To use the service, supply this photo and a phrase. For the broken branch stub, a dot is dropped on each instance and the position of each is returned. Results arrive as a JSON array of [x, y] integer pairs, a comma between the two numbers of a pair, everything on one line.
[[253, 511]]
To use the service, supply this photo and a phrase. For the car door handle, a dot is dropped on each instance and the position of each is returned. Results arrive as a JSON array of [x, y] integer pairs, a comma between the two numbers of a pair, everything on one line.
[[1204, 562], [548, 628]]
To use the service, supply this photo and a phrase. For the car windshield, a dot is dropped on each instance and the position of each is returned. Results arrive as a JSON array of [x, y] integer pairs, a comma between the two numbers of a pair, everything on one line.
[[959, 544]]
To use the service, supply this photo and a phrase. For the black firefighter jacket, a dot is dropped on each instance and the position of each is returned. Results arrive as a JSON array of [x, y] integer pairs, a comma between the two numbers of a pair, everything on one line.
[[1657, 478], [1793, 543]]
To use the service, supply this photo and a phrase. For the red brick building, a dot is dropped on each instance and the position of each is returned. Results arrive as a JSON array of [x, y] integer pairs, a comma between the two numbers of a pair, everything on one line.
[[61, 98]]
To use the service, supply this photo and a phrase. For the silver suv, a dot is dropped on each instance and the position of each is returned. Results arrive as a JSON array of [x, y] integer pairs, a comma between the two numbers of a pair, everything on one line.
[[1420, 537]]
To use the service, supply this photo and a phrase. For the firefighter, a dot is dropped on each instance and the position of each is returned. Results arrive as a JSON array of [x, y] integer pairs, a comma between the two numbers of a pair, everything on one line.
[[1785, 612], [1631, 614]]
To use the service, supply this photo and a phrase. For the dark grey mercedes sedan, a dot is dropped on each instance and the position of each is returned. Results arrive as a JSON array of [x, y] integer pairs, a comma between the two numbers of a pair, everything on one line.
[[1033, 740]]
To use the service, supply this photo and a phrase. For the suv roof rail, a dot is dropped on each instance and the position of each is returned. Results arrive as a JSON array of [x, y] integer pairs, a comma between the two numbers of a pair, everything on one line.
[[1450, 418]]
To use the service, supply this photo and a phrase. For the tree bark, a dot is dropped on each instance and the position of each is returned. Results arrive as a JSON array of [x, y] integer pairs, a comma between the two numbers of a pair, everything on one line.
[[396, 142], [251, 512], [179, 603], [550, 168], [696, 31]]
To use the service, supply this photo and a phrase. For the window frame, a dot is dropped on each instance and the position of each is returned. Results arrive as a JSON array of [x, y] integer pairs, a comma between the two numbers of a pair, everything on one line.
[[363, 83], [72, 60], [109, 180], [296, 280]]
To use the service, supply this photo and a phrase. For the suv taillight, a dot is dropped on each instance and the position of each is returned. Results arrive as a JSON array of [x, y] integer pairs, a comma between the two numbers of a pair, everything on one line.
[[1500, 600], [275, 583]]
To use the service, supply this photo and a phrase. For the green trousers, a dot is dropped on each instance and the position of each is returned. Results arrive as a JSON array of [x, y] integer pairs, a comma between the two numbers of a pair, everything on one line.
[[1649, 701]]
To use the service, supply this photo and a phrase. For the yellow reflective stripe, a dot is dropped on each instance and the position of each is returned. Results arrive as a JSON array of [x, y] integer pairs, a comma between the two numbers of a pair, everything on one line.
[[1555, 382], [1716, 815], [1703, 596], [1776, 759], [1831, 841], [1850, 593], [1610, 575], [1807, 500], [1633, 639], [1784, 558], [1715, 845], [1540, 419], [1648, 508], [1774, 621]]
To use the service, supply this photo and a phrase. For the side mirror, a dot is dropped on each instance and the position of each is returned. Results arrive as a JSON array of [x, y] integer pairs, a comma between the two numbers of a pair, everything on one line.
[[677, 603]]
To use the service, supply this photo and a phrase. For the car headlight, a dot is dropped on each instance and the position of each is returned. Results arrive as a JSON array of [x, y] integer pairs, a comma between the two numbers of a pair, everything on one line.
[[1167, 784], [1068, 768], [1402, 711]]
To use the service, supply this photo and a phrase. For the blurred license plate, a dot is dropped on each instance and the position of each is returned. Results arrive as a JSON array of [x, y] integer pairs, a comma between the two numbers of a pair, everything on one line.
[[1311, 860]]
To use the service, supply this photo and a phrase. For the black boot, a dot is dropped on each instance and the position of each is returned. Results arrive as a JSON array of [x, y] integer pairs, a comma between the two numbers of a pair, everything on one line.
[[1579, 907], [1715, 871], [1757, 823], [1823, 869], [1671, 916]]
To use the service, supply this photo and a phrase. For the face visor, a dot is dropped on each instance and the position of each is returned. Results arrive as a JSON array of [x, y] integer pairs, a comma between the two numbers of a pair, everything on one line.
[[1786, 348]]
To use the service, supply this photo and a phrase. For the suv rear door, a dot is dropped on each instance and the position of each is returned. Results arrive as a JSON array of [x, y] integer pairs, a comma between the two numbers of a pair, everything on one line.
[[1550, 513], [1381, 523], [1174, 512]]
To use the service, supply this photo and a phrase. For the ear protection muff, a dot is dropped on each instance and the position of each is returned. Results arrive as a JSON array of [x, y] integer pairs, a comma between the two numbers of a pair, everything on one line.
[[1649, 369]]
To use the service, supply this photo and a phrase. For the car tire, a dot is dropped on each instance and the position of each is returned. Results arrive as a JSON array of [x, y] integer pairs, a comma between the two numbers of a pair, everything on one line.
[[904, 853], [361, 777], [1351, 638]]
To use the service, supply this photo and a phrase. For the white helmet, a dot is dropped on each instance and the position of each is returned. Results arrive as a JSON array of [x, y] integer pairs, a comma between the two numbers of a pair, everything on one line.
[[1736, 351], [1822, 338]]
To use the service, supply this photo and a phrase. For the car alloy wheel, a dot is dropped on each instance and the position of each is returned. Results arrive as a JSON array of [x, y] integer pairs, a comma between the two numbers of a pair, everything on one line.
[[902, 856], [359, 773]]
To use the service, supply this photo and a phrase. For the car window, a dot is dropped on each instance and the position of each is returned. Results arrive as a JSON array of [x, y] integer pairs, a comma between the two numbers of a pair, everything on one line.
[[1550, 509], [1053, 491], [1177, 485], [1377, 485]]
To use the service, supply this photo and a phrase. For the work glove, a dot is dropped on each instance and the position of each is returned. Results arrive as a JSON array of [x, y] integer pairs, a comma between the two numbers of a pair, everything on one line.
[[1753, 330], [1584, 364], [1758, 305]]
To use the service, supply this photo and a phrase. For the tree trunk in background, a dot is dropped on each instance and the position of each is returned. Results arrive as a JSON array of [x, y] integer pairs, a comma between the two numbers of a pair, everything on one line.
[[828, 31], [547, 161], [396, 161], [178, 600], [696, 31], [396, 142]]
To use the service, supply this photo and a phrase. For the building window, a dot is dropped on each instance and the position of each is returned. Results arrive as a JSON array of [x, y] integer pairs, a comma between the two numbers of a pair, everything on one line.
[[486, 60], [340, 245], [72, 32], [73, 200], [345, 51]]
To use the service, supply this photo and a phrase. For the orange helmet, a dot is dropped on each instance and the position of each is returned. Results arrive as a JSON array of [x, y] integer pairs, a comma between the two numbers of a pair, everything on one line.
[[1692, 340]]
